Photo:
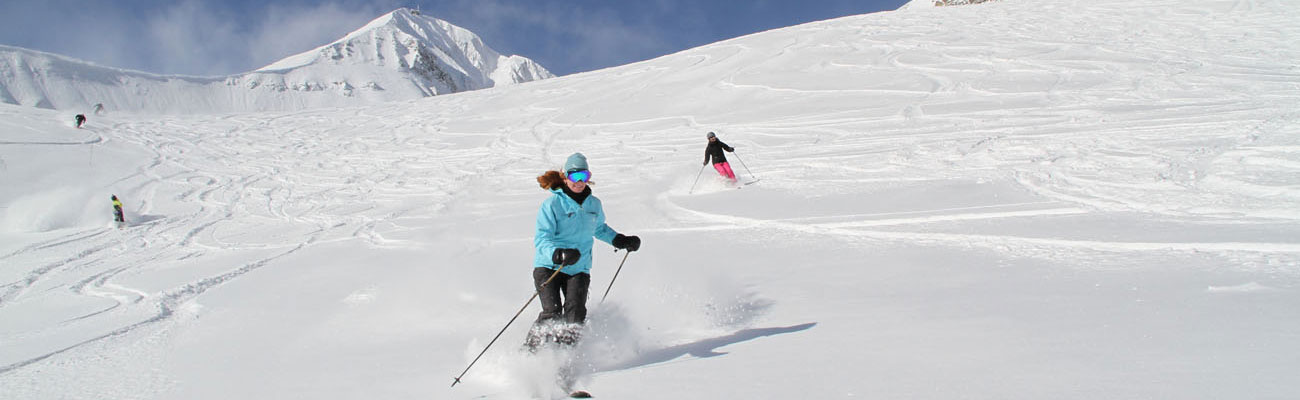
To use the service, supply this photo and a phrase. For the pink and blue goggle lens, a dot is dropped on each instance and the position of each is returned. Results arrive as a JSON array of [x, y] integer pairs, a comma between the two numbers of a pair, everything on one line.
[[580, 175]]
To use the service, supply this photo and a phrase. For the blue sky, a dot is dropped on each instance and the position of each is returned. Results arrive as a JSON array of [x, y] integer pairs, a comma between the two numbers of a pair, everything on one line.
[[216, 37]]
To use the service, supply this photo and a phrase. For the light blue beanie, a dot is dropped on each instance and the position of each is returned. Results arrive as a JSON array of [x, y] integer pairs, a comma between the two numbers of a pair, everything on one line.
[[577, 161]]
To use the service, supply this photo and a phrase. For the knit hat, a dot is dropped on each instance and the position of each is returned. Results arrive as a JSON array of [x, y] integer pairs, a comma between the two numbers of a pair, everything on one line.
[[711, 135], [577, 161]]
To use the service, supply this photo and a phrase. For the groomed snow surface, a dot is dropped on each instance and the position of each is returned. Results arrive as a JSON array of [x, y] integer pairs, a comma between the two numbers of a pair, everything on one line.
[[1014, 200]]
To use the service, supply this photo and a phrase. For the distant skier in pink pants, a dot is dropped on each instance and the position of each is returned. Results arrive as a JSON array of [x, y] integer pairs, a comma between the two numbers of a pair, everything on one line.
[[714, 152], [724, 169]]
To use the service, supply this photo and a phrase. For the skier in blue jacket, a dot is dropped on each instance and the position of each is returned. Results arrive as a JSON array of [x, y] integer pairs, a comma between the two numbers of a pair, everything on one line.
[[567, 224]]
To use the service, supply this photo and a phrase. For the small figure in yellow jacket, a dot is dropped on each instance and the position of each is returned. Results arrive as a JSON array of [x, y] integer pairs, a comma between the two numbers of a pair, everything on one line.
[[117, 213]]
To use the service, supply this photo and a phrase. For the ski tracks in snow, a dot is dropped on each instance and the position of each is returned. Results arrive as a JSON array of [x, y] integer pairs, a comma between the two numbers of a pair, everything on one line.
[[1081, 139], [892, 128], [233, 188]]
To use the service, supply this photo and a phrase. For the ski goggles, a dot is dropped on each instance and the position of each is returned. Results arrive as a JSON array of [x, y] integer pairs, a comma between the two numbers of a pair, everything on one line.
[[579, 175]]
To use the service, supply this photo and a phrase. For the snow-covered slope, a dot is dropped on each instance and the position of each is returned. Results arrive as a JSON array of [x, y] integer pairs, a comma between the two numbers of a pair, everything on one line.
[[399, 56], [1022, 199]]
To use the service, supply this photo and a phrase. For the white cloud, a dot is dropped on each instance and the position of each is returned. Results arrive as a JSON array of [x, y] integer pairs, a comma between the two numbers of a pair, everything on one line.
[[206, 37], [222, 41], [190, 37], [193, 38]]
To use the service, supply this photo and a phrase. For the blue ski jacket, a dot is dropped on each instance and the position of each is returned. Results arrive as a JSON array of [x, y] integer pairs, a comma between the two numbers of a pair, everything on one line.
[[564, 224]]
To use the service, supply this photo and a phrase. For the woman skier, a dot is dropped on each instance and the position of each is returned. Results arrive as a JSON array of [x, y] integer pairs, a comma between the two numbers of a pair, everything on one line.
[[567, 222], [714, 151]]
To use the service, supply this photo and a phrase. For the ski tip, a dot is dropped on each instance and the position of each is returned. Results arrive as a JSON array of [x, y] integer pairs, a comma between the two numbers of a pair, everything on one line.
[[581, 394]]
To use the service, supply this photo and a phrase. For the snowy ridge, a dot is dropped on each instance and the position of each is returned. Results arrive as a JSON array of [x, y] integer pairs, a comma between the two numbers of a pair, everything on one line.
[[444, 58], [1059, 200], [940, 3], [398, 56], [43, 80]]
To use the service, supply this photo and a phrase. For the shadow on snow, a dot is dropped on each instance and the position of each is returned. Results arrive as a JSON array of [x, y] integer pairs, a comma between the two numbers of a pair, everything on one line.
[[703, 348]]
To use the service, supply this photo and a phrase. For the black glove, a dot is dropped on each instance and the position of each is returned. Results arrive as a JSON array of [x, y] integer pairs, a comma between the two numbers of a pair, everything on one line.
[[631, 243], [565, 256]]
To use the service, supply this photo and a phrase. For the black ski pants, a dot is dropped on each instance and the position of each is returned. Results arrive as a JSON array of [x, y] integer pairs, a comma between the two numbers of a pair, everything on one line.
[[573, 288]]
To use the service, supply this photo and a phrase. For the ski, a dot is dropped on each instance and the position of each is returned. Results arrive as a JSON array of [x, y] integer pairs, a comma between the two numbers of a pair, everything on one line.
[[742, 185]]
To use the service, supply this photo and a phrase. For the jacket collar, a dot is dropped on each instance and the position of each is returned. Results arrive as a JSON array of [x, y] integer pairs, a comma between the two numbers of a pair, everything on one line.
[[569, 202]]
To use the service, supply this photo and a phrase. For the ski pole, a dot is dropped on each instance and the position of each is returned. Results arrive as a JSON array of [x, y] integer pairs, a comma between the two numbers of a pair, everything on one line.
[[611, 281], [742, 163], [697, 179], [503, 329]]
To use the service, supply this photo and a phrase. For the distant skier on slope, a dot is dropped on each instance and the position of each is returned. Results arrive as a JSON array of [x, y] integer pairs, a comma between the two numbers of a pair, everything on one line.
[[118, 216], [714, 151], [80, 119], [566, 224], [99, 108]]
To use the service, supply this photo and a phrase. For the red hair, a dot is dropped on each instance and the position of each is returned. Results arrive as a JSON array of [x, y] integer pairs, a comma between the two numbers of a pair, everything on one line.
[[551, 180]]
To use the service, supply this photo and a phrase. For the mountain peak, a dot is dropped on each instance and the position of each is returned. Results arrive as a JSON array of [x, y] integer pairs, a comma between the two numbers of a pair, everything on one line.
[[444, 58], [398, 17], [401, 55]]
